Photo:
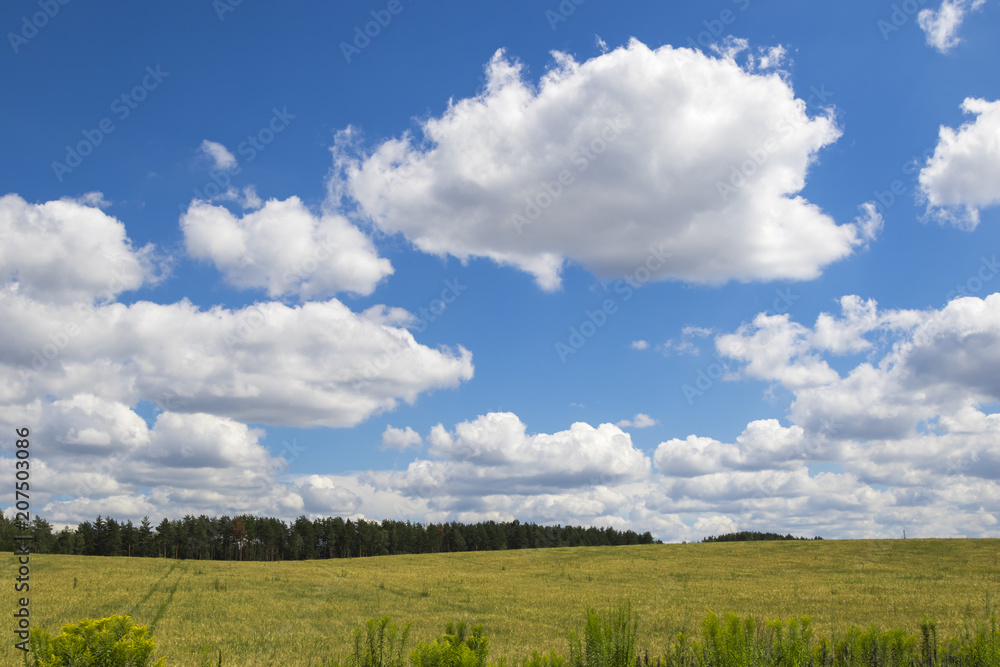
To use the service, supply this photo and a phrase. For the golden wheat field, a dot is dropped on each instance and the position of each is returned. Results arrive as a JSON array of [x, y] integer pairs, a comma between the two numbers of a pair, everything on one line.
[[299, 612]]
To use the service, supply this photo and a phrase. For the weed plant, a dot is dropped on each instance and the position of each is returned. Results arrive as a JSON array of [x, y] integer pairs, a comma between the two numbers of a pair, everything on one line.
[[456, 648], [609, 639], [108, 642]]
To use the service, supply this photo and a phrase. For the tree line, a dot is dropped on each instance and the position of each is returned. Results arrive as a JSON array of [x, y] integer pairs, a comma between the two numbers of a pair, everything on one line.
[[753, 536], [249, 537]]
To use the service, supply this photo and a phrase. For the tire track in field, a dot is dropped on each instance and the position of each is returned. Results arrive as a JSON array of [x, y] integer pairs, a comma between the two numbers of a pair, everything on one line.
[[166, 603], [152, 589]]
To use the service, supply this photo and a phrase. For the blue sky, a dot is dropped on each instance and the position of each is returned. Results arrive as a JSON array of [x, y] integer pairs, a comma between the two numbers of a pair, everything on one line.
[[687, 269]]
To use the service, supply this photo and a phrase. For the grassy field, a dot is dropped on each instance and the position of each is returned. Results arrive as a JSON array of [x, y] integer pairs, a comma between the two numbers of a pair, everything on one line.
[[296, 613]]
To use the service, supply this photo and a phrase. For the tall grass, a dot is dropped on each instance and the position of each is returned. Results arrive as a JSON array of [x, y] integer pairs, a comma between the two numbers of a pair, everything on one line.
[[456, 648], [609, 639], [380, 643], [729, 641], [735, 642], [978, 646]]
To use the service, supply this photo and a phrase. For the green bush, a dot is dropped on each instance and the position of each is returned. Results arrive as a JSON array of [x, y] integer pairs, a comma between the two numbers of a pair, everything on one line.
[[679, 653], [728, 642], [976, 647], [109, 642], [456, 648], [550, 659], [890, 648], [789, 643], [609, 639], [378, 643]]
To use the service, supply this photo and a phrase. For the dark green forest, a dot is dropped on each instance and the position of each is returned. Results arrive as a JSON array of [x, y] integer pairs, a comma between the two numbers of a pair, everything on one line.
[[249, 537], [753, 536]]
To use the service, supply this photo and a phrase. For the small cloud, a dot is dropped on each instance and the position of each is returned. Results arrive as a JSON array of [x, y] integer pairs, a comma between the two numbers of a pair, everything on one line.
[[941, 27], [767, 58], [95, 199], [869, 223], [247, 198], [685, 345], [640, 345], [250, 198], [730, 47], [682, 347], [601, 44], [219, 154], [400, 439], [639, 421], [700, 332]]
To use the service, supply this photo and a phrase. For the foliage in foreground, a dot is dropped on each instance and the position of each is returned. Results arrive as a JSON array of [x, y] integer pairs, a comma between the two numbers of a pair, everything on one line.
[[609, 640], [732, 642], [456, 648], [109, 642]]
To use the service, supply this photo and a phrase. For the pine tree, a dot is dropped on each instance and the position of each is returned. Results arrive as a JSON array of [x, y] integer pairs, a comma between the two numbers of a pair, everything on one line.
[[145, 546]]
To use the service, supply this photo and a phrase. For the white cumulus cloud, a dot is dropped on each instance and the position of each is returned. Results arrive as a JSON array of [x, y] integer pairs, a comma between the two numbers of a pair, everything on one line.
[[922, 366], [285, 249], [69, 251], [961, 177], [400, 438], [62, 336], [315, 364], [493, 455], [670, 153], [764, 444]]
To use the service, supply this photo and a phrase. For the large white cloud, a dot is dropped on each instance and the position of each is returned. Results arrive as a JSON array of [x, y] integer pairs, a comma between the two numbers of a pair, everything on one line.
[[493, 455], [961, 177], [903, 440], [104, 454], [689, 162], [775, 348], [944, 362], [763, 444], [62, 334], [285, 249], [85, 423], [69, 251], [921, 365], [315, 364]]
